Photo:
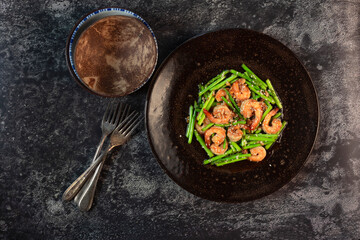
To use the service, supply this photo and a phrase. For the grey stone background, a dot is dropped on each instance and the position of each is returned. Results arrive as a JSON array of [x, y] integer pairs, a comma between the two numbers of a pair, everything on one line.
[[49, 128]]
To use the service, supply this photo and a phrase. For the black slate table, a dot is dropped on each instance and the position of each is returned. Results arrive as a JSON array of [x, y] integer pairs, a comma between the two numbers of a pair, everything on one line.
[[49, 128]]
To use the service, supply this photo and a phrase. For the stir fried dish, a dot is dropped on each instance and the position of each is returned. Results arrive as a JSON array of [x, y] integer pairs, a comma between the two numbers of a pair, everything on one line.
[[237, 117]]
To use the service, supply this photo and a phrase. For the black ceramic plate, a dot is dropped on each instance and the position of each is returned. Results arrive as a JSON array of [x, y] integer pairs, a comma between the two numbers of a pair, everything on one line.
[[174, 88]]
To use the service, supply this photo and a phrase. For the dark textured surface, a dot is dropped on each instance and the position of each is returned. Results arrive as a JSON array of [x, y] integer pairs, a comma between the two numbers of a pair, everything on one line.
[[194, 63], [49, 129]]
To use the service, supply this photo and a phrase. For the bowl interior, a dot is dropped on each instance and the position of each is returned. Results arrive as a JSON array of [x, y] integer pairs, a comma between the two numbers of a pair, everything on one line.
[[84, 24]]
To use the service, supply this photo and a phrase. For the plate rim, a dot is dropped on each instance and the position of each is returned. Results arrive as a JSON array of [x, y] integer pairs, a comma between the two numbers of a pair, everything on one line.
[[152, 83]]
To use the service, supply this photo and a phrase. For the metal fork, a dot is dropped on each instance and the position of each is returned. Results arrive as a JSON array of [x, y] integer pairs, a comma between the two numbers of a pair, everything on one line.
[[110, 121], [114, 115], [118, 137]]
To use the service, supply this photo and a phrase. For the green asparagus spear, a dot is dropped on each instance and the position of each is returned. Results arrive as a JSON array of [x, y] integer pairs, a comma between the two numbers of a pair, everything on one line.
[[211, 86], [249, 79], [268, 98], [207, 108], [230, 161], [221, 75], [253, 138], [207, 127], [231, 157], [192, 124], [202, 143], [273, 93], [221, 84], [190, 119], [252, 75], [233, 102], [268, 109], [213, 159], [228, 103], [237, 147], [277, 115], [252, 146]]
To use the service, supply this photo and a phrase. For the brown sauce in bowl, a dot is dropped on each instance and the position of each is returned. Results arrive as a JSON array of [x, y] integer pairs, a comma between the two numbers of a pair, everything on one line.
[[115, 55]]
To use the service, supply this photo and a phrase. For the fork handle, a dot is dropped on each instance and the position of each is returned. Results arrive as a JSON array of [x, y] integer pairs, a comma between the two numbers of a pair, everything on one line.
[[85, 197], [85, 188], [75, 187], [99, 147]]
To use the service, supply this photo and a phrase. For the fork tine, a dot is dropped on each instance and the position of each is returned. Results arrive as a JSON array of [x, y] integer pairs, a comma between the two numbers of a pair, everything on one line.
[[133, 126], [117, 118], [121, 125], [128, 111], [126, 118], [124, 113], [111, 111], [115, 110], [128, 123], [107, 111]]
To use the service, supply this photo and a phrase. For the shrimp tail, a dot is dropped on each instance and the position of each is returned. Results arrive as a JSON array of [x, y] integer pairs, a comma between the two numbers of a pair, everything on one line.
[[208, 114], [253, 126]]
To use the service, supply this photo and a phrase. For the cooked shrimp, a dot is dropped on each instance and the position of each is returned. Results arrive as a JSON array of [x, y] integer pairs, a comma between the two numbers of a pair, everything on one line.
[[199, 128], [257, 154], [217, 140], [221, 114], [240, 90], [221, 93], [234, 133], [263, 106], [219, 149], [252, 107], [275, 124]]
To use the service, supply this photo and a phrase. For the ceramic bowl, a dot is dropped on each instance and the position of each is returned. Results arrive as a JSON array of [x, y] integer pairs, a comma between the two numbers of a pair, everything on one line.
[[109, 64]]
